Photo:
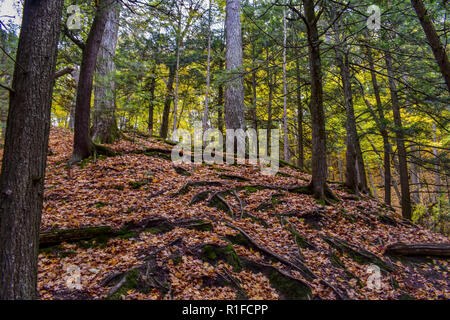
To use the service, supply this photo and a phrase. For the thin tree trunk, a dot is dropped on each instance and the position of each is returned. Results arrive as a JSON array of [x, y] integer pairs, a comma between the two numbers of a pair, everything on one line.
[[104, 129], [351, 174], [151, 103], [83, 146], [383, 130], [433, 40], [234, 89], [208, 62], [301, 156], [403, 166], [25, 151], [177, 77], [437, 174], [169, 97], [286, 142]]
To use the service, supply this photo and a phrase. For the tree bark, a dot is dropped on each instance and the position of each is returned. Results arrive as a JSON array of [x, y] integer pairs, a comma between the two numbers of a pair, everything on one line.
[[25, 150], [433, 40], [403, 166], [151, 103], [301, 156], [383, 130], [319, 152], [234, 88], [351, 174], [164, 130], [208, 62], [104, 129], [285, 125], [83, 146]]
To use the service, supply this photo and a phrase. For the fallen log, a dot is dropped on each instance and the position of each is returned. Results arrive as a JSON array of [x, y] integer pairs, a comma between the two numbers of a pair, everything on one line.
[[418, 249], [53, 237], [154, 225]]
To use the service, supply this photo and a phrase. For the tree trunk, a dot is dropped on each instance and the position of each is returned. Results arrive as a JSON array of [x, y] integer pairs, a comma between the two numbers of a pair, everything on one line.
[[351, 174], [301, 156], [383, 131], [208, 62], [234, 89], [169, 97], [403, 166], [151, 103], [319, 152], [220, 109], [25, 151], [437, 174], [83, 146], [104, 129], [177, 77], [433, 40], [285, 126]]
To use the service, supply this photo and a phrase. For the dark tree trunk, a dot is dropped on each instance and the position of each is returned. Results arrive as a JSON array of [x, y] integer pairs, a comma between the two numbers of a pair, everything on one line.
[[151, 103], [83, 146], [25, 151], [169, 97], [234, 88], [254, 113], [220, 103], [351, 173], [362, 177], [403, 166], [301, 157], [383, 130], [319, 152], [104, 129], [433, 40]]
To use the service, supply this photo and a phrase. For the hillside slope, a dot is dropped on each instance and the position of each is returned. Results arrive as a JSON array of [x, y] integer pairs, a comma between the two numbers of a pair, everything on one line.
[[216, 232]]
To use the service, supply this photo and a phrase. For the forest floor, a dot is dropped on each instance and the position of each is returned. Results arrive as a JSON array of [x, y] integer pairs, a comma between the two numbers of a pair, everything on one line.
[[217, 232]]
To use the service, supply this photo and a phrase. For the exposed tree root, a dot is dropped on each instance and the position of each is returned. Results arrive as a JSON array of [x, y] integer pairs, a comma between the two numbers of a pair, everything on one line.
[[185, 188], [182, 171], [358, 254], [233, 177]]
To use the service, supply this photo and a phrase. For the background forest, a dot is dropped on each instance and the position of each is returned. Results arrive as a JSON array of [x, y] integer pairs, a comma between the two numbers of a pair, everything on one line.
[[371, 100], [157, 73]]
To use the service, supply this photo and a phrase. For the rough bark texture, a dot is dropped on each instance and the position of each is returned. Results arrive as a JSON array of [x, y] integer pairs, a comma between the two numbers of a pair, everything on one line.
[[319, 152], [26, 145], [403, 166], [351, 173], [234, 89], [151, 103], [83, 146], [433, 40], [383, 130], [169, 97], [285, 124], [301, 156], [104, 129], [208, 64]]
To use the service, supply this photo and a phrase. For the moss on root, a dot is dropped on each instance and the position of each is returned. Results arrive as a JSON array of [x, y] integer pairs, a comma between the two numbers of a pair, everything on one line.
[[213, 253]]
